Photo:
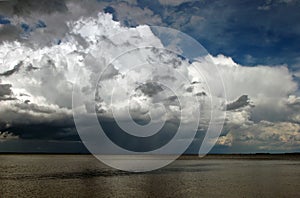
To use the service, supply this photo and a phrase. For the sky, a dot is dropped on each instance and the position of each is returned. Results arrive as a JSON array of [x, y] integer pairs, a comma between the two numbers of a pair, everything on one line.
[[255, 46]]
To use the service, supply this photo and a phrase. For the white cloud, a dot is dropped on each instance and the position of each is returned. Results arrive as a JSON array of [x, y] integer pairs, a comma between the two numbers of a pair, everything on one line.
[[268, 136], [225, 140], [271, 120]]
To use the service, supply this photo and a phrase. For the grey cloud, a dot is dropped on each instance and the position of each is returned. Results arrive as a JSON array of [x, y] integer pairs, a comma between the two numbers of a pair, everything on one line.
[[12, 71], [5, 90], [240, 102], [190, 89], [34, 107], [172, 98], [44, 131], [7, 136], [267, 136], [9, 33], [201, 94], [30, 68], [32, 121], [54, 14], [26, 7], [109, 72], [139, 144], [171, 101], [150, 88], [164, 78]]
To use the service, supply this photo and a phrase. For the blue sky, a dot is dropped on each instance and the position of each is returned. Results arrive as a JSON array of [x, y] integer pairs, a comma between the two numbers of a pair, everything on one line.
[[251, 32]]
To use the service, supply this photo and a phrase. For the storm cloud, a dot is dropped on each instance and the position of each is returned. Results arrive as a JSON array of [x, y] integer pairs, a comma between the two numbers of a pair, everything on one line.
[[44, 44]]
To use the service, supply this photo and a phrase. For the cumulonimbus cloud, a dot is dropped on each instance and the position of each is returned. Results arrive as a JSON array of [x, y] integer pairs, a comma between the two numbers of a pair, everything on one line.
[[36, 82]]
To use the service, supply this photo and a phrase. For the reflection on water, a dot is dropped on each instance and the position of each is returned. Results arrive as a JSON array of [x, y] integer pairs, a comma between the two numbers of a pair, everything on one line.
[[84, 176]]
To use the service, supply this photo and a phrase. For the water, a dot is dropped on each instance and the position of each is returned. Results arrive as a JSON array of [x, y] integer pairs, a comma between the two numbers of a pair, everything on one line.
[[84, 176]]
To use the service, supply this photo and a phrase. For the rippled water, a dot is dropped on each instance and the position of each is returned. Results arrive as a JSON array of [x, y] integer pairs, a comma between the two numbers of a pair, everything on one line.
[[84, 176]]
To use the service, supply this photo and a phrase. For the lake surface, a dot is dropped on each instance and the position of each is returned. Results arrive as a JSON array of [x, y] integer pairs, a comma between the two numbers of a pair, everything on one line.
[[84, 176]]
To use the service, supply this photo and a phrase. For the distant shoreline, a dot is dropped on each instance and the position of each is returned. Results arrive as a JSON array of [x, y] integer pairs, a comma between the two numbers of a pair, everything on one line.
[[249, 156]]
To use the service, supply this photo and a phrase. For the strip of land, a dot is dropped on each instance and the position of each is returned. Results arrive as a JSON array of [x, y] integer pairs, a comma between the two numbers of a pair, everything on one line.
[[250, 156]]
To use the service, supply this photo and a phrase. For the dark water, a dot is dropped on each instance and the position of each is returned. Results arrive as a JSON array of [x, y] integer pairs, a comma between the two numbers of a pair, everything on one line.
[[84, 176]]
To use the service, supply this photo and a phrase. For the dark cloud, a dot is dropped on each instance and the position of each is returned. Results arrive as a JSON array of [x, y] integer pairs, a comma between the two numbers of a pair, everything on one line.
[[139, 144], [34, 107], [27, 7], [190, 89], [5, 90], [21, 12], [9, 33], [31, 121], [42, 146], [12, 71], [201, 94], [150, 88], [28, 16], [44, 131], [240, 102]]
